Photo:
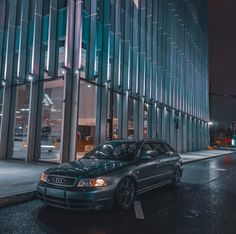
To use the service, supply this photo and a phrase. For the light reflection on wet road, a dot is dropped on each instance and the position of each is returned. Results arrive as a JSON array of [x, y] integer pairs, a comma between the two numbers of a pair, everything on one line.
[[204, 203]]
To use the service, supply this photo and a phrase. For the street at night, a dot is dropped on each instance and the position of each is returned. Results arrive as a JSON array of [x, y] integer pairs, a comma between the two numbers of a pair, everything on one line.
[[117, 116], [204, 203]]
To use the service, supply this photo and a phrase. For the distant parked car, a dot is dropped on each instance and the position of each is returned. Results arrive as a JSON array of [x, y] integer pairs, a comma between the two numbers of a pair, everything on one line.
[[111, 174]]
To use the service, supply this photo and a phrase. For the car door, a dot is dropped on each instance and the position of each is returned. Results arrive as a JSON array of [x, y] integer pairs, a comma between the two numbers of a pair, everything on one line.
[[169, 160], [165, 162], [146, 167]]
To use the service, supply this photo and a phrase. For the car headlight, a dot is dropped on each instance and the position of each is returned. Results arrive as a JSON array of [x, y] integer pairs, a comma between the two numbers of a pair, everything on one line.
[[97, 182], [44, 177]]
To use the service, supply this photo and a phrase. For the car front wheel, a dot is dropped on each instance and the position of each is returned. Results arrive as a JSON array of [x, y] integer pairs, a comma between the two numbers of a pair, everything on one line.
[[125, 194], [177, 177]]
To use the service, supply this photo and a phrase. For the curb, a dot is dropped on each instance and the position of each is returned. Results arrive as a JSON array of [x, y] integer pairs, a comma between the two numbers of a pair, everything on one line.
[[17, 198], [201, 159]]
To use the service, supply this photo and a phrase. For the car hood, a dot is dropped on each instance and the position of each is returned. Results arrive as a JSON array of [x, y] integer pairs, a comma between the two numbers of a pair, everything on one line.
[[87, 167]]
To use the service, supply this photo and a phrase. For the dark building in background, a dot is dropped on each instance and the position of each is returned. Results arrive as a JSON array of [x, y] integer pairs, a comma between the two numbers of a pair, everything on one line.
[[76, 73]]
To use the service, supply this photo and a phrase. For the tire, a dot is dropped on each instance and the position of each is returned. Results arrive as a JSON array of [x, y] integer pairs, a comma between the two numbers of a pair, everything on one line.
[[177, 177], [125, 194]]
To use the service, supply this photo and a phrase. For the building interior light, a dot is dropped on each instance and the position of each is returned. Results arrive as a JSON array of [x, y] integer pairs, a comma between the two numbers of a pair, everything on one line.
[[47, 101], [24, 109], [30, 77]]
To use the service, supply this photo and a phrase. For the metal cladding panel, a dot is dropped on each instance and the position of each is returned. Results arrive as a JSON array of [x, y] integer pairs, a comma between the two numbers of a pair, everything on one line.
[[36, 48], [10, 41], [92, 40], [127, 46], [135, 51], [52, 38], [142, 49], [3, 8], [106, 43], [21, 67], [69, 34], [117, 47]]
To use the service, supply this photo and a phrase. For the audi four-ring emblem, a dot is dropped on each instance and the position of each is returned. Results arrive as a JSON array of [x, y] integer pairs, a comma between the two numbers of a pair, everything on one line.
[[60, 180]]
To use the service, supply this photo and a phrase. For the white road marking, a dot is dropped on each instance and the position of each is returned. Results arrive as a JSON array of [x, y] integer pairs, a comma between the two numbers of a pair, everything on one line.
[[138, 210], [221, 169]]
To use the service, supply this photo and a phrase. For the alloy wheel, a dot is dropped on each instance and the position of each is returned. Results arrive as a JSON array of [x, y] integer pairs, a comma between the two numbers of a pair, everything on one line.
[[125, 193], [177, 177]]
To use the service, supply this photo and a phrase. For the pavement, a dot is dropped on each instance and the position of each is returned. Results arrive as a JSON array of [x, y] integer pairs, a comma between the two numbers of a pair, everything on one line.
[[203, 154], [18, 180]]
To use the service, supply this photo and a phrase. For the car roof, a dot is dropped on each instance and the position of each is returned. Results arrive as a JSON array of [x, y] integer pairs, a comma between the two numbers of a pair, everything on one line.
[[138, 141]]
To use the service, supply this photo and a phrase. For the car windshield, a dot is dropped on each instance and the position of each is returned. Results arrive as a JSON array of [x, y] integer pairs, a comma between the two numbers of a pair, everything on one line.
[[114, 150]]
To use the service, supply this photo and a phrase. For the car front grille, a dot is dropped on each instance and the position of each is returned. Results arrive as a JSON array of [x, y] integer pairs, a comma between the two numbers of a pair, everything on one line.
[[77, 204], [61, 180]]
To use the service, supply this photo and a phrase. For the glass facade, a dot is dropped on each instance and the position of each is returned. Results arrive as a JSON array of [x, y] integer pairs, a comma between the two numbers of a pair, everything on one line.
[[77, 73], [21, 121], [51, 123]]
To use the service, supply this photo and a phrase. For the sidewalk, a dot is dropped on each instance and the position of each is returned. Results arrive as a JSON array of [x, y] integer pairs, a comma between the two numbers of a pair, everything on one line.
[[18, 180], [203, 154]]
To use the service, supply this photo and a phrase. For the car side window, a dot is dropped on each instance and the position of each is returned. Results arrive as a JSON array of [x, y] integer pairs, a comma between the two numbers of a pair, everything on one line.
[[168, 149], [159, 149], [146, 152]]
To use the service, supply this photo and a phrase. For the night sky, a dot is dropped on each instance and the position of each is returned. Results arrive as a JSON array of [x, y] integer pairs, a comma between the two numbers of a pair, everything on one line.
[[222, 58]]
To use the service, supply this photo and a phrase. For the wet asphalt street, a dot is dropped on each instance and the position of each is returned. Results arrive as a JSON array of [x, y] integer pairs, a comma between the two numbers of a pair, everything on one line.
[[204, 203]]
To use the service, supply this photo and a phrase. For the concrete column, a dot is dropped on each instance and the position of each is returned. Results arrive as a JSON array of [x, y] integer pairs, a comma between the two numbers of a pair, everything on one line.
[[72, 80], [154, 121], [73, 121], [198, 140], [66, 116], [173, 130], [166, 125], [32, 146], [103, 77], [185, 134], [141, 120], [136, 119], [189, 135], [194, 140], [125, 103], [101, 119], [163, 123], [149, 120], [180, 134], [159, 122]]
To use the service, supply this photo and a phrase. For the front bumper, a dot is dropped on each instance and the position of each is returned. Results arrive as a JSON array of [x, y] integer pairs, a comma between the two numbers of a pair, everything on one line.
[[77, 198]]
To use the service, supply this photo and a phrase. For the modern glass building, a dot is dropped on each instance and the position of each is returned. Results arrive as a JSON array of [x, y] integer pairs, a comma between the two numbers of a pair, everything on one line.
[[78, 72]]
